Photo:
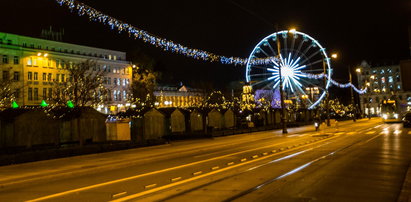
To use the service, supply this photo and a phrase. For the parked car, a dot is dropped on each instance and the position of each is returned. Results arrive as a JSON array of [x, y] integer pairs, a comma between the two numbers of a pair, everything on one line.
[[406, 121]]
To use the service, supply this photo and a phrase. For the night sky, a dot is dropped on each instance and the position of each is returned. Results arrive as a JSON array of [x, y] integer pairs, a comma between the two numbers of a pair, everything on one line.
[[375, 31]]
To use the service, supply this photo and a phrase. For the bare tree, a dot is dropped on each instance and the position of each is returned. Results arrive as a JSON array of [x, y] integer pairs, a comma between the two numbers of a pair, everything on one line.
[[7, 92], [84, 85], [142, 87]]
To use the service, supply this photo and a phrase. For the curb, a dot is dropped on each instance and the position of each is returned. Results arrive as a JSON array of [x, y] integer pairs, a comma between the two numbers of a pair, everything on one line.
[[405, 194]]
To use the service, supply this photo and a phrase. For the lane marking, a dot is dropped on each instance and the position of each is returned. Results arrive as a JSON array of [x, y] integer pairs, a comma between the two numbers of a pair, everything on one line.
[[215, 167], [265, 154], [157, 172], [244, 159], [231, 163], [198, 173], [176, 179], [255, 156], [205, 175], [370, 132], [145, 174], [351, 133], [119, 194], [150, 186]]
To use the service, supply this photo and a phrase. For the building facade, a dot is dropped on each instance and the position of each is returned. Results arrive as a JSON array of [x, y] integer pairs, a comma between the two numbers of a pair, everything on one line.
[[181, 96], [382, 83], [35, 64]]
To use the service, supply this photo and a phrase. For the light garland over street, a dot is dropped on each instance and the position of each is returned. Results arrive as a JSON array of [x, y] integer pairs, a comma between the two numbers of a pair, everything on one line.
[[168, 45]]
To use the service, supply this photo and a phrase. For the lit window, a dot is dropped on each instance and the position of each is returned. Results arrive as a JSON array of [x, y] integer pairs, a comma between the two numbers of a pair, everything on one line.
[[114, 57], [36, 94], [382, 79], [36, 76], [16, 76], [30, 94], [16, 60], [44, 76], [44, 93], [29, 76], [49, 77], [5, 59], [390, 79], [399, 87], [382, 71]]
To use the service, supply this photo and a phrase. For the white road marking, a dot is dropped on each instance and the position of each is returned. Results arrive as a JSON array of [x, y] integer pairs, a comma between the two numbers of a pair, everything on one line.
[[231, 163], [156, 172], [176, 179], [370, 132], [215, 167], [150, 186], [119, 194], [198, 173]]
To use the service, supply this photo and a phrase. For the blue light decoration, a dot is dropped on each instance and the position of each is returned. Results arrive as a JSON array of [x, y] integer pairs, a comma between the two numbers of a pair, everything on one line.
[[293, 66], [292, 72], [166, 45]]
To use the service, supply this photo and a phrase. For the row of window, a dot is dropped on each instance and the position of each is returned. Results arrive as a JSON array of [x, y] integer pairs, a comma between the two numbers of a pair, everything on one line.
[[33, 94], [382, 71], [60, 64], [5, 59], [25, 45], [6, 75], [377, 99], [116, 81], [34, 76]]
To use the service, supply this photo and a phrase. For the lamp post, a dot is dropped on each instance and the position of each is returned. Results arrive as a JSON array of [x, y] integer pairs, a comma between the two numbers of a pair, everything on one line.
[[283, 121], [327, 107]]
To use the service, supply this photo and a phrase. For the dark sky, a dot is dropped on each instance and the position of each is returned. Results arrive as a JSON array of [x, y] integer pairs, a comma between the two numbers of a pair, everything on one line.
[[359, 30]]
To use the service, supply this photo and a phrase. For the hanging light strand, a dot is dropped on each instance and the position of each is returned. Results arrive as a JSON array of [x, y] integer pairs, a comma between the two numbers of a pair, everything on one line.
[[164, 44]]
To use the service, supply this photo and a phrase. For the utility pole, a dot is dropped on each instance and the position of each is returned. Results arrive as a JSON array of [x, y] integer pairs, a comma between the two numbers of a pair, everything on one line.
[[352, 97], [283, 121], [327, 108]]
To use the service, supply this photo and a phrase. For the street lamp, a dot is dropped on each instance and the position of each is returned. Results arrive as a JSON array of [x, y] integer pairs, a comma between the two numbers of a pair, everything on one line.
[[334, 56]]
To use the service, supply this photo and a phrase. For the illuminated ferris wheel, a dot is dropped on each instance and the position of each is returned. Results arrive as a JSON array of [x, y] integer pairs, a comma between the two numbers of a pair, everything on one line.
[[304, 66]]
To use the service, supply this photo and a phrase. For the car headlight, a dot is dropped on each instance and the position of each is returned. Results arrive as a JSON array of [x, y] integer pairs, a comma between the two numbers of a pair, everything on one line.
[[385, 116], [396, 116]]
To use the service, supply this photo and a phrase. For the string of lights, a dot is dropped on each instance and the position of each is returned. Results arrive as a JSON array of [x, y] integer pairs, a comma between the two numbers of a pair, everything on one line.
[[335, 83], [166, 45]]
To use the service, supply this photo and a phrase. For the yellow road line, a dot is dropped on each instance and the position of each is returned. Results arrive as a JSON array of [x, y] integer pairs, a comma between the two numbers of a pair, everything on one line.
[[194, 178]]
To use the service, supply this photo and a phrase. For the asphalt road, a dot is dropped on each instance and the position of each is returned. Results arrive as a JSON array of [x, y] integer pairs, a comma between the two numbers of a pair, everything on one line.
[[362, 161]]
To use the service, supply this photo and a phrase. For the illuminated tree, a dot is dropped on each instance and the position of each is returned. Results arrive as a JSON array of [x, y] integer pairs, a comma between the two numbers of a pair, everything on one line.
[[7, 90], [142, 87], [84, 85]]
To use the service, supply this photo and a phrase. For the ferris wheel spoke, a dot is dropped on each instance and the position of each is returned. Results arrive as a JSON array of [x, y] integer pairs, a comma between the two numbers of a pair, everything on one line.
[[266, 54], [307, 49], [312, 55], [314, 63], [285, 44], [272, 50], [299, 47], [293, 42]]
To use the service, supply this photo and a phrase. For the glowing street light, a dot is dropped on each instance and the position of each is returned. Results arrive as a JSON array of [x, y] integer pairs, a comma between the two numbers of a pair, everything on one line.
[[292, 30], [334, 55], [358, 70]]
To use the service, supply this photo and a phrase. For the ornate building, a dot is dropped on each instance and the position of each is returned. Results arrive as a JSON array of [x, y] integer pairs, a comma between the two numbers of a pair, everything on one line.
[[181, 96], [382, 83], [35, 64]]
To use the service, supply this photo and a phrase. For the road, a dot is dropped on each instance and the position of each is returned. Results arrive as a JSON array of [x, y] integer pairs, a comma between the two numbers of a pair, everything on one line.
[[363, 161]]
